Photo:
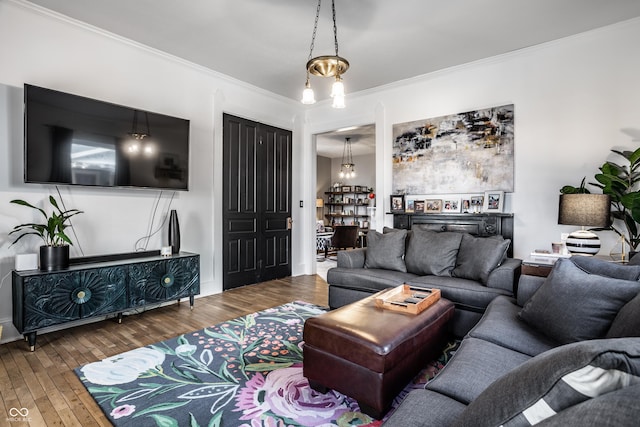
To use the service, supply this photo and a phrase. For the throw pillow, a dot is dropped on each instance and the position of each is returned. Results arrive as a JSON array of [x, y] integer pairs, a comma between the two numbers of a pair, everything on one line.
[[627, 322], [386, 250], [594, 265], [479, 256], [386, 230], [573, 305], [555, 381], [432, 253]]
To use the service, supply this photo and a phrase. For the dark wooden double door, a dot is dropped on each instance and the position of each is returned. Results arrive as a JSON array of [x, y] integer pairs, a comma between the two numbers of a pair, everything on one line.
[[257, 202]]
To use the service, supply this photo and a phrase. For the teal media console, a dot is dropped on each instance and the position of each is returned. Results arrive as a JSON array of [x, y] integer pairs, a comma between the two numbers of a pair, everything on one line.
[[99, 286]]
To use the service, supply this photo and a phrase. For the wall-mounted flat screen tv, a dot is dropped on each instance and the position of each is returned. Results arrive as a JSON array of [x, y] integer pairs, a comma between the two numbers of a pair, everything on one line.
[[72, 140]]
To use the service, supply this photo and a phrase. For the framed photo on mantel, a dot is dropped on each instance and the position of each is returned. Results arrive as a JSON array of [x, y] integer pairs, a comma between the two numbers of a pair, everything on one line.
[[397, 203], [493, 201]]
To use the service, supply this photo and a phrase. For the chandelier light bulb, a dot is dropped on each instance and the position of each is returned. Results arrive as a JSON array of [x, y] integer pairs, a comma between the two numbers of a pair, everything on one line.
[[341, 174], [338, 101], [134, 146], [337, 89], [308, 96]]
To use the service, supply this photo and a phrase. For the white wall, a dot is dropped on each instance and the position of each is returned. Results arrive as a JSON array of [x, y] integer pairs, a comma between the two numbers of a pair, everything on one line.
[[365, 171], [52, 51], [323, 175], [575, 99]]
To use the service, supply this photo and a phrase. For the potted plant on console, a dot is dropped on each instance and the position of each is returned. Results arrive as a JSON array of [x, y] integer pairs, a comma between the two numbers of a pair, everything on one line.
[[54, 254]]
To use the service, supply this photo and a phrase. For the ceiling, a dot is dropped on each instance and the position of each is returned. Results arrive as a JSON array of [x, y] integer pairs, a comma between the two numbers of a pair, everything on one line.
[[266, 43], [331, 144]]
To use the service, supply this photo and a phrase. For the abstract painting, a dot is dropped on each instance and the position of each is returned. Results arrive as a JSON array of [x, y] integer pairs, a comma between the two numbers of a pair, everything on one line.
[[460, 153]]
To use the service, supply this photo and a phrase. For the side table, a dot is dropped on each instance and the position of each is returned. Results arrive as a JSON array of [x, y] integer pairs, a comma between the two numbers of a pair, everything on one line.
[[534, 267]]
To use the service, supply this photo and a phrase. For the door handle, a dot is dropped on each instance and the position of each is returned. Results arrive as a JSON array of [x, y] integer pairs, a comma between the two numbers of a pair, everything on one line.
[[289, 223]]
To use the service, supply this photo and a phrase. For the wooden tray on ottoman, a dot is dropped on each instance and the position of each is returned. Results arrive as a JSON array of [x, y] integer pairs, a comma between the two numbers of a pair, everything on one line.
[[396, 299]]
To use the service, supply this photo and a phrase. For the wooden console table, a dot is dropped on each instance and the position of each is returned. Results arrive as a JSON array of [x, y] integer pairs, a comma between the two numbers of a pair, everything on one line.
[[99, 286], [477, 224]]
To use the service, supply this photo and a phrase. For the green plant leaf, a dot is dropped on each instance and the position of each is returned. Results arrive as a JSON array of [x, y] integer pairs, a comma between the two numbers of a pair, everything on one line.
[[29, 205]]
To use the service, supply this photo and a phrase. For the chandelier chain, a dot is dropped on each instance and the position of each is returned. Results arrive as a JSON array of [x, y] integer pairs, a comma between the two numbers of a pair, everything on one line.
[[335, 27], [344, 152], [315, 29]]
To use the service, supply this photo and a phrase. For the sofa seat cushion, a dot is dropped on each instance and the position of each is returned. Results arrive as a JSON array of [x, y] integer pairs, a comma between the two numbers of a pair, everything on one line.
[[386, 250], [479, 256], [463, 292], [432, 252], [476, 365], [425, 408], [557, 380], [573, 305], [501, 325], [370, 279]]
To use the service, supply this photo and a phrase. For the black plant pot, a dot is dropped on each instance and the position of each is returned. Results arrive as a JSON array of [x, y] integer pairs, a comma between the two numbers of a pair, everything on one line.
[[54, 257]]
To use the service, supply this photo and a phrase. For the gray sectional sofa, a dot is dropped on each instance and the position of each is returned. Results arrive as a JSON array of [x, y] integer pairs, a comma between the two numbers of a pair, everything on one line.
[[564, 353], [470, 271]]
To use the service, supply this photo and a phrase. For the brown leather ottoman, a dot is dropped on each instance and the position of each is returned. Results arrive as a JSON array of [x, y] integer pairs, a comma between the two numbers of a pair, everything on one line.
[[370, 353]]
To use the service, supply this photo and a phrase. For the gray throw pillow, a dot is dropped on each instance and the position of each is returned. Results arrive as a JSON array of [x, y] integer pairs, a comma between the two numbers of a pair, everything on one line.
[[479, 256], [627, 322], [573, 305], [386, 230], [432, 253], [555, 381], [386, 250], [595, 265]]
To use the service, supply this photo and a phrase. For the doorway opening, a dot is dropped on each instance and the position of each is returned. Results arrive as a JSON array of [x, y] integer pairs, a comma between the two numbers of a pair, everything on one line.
[[343, 200]]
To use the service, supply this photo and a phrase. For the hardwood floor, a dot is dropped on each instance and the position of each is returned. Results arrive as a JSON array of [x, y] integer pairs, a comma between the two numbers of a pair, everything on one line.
[[44, 383]]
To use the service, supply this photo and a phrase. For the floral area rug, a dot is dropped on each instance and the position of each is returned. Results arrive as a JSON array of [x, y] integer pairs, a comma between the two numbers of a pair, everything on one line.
[[246, 372]]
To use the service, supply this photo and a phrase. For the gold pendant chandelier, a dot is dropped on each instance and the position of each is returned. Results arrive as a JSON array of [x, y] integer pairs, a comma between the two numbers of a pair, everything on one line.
[[326, 65], [347, 168]]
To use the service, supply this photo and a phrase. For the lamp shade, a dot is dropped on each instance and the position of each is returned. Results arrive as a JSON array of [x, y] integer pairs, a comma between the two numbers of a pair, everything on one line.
[[584, 210], [319, 203]]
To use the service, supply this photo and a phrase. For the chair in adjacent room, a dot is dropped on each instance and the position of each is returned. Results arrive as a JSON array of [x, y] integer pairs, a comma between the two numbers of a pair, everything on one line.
[[344, 236]]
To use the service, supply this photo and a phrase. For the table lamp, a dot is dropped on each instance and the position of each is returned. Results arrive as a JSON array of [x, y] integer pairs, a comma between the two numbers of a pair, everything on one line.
[[582, 209], [319, 205]]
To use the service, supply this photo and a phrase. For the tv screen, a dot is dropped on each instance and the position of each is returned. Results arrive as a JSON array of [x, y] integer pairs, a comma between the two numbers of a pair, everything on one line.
[[73, 140]]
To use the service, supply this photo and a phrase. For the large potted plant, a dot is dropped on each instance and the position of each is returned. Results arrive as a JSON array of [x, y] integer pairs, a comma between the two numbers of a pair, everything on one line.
[[54, 254], [622, 183]]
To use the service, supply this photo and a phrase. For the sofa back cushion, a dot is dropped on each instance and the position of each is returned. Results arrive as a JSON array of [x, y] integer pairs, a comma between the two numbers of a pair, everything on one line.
[[573, 305], [431, 252], [479, 256], [386, 250], [556, 381]]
